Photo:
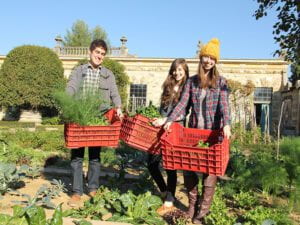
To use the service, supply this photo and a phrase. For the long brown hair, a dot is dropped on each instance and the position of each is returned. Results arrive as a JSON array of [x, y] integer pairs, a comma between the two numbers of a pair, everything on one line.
[[209, 81], [169, 95]]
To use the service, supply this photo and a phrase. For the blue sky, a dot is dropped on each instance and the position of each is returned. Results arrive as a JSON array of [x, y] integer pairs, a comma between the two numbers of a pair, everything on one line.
[[154, 28]]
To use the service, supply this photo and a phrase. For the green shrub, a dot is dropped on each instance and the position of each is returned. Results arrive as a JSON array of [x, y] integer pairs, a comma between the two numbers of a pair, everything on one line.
[[108, 157], [245, 200], [32, 148], [260, 214], [290, 154], [122, 78], [219, 214], [51, 120], [258, 171], [29, 75], [49, 141]]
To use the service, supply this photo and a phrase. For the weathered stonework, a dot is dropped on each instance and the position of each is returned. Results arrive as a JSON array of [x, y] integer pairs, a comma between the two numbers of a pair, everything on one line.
[[290, 124], [153, 71]]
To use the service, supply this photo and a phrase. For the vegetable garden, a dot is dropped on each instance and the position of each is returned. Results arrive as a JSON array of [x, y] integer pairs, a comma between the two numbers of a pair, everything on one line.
[[257, 188], [261, 185]]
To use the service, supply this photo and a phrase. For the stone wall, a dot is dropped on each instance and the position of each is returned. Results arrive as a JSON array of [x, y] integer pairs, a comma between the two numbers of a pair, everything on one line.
[[153, 71], [290, 124]]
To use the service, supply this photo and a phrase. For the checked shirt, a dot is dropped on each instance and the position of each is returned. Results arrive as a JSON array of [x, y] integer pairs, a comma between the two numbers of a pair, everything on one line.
[[216, 110], [91, 81]]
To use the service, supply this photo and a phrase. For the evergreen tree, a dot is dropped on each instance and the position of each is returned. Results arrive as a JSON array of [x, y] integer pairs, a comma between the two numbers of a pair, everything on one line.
[[80, 35]]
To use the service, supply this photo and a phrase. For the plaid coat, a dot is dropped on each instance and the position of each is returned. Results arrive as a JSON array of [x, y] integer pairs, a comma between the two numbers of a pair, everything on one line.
[[217, 105]]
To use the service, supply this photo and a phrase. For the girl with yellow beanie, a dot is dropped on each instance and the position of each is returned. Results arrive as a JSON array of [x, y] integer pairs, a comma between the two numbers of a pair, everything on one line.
[[206, 93]]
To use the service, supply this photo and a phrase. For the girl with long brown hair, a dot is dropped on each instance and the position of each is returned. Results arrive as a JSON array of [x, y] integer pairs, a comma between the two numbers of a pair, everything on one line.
[[172, 89]]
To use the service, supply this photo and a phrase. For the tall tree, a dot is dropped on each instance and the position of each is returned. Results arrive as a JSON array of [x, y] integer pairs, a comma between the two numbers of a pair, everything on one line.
[[81, 36], [286, 30], [99, 33]]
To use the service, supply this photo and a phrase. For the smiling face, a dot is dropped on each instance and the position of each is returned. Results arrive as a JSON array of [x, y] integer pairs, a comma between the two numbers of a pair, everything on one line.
[[97, 56], [207, 62], [179, 73]]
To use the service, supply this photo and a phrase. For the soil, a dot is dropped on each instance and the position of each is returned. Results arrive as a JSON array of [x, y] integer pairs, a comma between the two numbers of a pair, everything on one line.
[[31, 186]]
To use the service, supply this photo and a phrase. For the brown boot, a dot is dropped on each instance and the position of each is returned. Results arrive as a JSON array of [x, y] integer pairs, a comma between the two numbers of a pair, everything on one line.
[[208, 190], [92, 194], [191, 184], [75, 200]]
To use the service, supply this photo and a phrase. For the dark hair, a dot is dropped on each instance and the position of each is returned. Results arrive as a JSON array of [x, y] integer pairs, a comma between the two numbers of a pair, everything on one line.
[[98, 43], [169, 96]]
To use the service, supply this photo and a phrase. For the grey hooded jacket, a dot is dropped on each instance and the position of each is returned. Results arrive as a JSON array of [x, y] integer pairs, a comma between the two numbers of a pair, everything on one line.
[[108, 88]]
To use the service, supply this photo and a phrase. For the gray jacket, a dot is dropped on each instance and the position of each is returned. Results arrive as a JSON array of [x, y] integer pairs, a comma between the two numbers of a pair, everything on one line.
[[108, 88]]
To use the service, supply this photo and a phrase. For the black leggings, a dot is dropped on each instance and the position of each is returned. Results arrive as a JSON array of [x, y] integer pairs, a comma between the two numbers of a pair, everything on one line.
[[153, 167]]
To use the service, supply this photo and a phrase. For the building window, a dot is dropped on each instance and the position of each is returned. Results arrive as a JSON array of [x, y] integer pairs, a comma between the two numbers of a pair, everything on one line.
[[263, 95], [138, 96], [262, 101]]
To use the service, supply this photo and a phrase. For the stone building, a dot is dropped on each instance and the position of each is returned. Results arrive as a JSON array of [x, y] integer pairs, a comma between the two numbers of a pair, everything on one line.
[[290, 121], [148, 73]]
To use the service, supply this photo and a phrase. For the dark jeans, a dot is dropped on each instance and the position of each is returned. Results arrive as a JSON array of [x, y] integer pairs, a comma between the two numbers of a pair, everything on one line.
[[93, 169], [153, 167]]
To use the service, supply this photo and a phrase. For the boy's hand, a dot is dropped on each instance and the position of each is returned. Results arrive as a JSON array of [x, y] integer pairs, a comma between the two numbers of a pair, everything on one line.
[[119, 113]]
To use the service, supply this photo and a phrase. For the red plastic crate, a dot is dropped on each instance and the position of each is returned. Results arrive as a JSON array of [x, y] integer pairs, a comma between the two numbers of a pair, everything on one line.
[[77, 136], [137, 132], [180, 151]]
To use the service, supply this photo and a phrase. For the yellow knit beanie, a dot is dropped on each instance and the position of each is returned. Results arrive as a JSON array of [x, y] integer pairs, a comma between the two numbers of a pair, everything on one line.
[[212, 48]]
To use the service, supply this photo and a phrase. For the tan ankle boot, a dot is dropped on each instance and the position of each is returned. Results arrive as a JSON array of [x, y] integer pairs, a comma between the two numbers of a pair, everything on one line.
[[75, 200]]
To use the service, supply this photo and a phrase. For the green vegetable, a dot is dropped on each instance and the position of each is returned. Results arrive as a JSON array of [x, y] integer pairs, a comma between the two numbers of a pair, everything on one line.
[[202, 144], [57, 216], [80, 109], [150, 111], [128, 207]]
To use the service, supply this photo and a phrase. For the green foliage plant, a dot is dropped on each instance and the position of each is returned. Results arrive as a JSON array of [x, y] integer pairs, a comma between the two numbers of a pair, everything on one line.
[[125, 207], [202, 144], [261, 214], [122, 79], [32, 148], [219, 214], [32, 215], [28, 77], [55, 120], [259, 170], [286, 30], [150, 111], [246, 200], [32, 172], [80, 109], [290, 154], [9, 177], [44, 195]]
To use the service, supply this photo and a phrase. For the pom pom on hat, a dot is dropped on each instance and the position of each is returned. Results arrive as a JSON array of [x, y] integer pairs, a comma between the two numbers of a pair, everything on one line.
[[212, 48]]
